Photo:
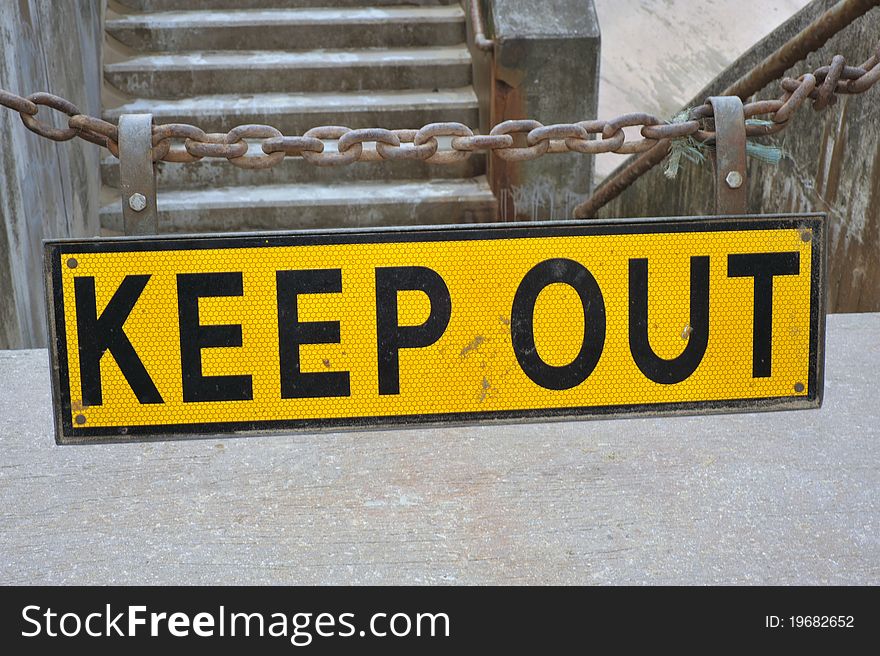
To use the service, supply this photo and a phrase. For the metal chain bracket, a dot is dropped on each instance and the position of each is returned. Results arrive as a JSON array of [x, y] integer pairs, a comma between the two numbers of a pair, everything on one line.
[[730, 155], [137, 175]]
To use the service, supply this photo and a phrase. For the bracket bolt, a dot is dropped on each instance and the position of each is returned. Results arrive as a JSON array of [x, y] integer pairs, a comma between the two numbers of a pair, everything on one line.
[[137, 202], [734, 180]]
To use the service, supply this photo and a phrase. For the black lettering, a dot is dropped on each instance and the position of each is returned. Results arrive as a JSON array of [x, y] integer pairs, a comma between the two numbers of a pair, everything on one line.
[[763, 267], [391, 335], [293, 333], [660, 370], [522, 328], [97, 335], [194, 337]]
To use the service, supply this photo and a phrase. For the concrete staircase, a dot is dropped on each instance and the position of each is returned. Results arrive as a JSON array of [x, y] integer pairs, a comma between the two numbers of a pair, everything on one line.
[[296, 64]]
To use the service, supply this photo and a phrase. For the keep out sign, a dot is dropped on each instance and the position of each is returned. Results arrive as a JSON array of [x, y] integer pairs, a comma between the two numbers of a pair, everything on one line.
[[174, 336]]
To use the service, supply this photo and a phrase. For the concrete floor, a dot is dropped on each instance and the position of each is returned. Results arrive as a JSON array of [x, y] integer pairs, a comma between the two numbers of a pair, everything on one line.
[[657, 54], [775, 498]]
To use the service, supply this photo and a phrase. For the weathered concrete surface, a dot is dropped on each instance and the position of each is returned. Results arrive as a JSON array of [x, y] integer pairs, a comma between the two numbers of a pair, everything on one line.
[[196, 73], [656, 54], [309, 206], [172, 5], [784, 498], [46, 189], [546, 67], [281, 28], [831, 164]]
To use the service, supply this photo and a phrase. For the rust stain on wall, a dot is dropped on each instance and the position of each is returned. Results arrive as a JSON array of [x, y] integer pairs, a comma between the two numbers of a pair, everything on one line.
[[831, 163], [507, 104]]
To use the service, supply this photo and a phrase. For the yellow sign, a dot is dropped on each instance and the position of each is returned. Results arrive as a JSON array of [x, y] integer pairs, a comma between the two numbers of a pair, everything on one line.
[[163, 336]]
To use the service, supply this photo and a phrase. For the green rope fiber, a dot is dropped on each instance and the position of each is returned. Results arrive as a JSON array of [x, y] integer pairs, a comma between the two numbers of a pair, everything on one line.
[[688, 148]]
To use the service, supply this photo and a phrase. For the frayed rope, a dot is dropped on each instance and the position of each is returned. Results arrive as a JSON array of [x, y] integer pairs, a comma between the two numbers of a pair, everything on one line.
[[688, 148]]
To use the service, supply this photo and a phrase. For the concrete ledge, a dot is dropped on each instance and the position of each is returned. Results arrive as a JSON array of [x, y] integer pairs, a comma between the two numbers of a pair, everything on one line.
[[546, 68], [779, 498]]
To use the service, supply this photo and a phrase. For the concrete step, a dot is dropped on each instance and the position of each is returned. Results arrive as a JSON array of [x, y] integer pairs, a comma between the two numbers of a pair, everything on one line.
[[285, 207], [296, 113], [208, 173], [282, 29], [171, 5], [193, 73]]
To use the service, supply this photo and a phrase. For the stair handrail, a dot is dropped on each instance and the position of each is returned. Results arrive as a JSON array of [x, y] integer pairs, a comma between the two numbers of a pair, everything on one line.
[[480, 39]]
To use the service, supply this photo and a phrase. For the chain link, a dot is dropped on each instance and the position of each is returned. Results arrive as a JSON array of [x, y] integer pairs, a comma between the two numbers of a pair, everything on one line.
[[518, 140]]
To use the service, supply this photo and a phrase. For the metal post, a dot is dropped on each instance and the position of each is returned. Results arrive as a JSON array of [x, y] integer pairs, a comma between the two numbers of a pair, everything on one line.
[[137, 175], [731, 195]]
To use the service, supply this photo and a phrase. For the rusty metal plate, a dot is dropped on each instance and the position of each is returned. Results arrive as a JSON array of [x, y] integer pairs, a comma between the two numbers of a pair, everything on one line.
[[171, 337]]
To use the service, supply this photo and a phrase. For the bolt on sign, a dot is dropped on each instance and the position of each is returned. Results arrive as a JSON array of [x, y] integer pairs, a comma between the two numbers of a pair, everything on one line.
[[205, 335]]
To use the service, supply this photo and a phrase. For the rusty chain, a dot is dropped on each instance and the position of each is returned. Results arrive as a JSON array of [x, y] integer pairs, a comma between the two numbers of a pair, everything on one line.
[[516, 140]]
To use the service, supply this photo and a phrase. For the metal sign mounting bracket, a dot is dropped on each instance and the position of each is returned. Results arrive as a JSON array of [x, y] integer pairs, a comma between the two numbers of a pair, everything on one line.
[[137, 175], [731, 196]]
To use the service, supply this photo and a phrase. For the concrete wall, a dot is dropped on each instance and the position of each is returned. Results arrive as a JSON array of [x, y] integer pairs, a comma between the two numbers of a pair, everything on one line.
[[831, 164], [47, 189], [546, 67], [656, 54]]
